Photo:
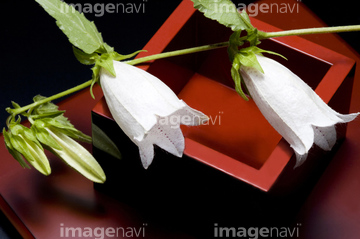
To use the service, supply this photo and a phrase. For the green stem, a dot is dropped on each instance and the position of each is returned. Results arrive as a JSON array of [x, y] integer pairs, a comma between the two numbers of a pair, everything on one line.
[[178, 53], [51, 98], [262, 35], [319, 30], [17, 111]]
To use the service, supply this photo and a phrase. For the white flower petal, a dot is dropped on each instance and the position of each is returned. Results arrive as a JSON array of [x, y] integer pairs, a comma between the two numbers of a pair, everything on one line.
[[292, 107], [325, 137], [146, 151], [191, 117], [169, 138], [164, 136], [300, 159], [147, 110]]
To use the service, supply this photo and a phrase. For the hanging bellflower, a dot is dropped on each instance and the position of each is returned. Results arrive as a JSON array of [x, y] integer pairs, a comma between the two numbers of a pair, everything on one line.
[[292, 107], [147, 110]]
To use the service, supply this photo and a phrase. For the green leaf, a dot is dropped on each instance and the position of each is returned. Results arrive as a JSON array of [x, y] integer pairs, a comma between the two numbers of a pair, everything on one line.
[[106, 62], [85, 58], [249, 60], [245, 17], [234, 43], [61, 122], [48, 114], [235, 74], [247, 57], [257, 50], [105, 48], [45, 108], [81, 32], [119, 57], [270, 52], [253, 37], [15, 105], [95, 78], [223, 11]]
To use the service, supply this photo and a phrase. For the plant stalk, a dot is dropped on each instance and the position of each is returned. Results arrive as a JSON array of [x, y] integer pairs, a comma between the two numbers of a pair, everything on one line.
[[51, 98], [262, 35], [17, 111], [319, 30], [177, 53]]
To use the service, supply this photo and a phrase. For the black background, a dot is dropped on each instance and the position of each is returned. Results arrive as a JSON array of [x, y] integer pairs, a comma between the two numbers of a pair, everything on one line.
[[37, 58]]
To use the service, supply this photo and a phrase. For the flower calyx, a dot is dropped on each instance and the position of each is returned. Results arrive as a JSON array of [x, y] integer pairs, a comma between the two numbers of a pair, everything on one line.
[[102, 58]]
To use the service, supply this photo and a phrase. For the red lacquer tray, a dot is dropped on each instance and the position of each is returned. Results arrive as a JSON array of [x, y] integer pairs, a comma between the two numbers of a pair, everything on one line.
[[238, 140]]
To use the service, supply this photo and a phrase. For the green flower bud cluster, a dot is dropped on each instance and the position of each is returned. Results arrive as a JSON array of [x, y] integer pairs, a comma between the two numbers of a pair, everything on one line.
[[51, 130]]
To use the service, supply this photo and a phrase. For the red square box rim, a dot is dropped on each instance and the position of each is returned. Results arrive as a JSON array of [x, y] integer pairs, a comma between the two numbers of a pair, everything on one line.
[[265, 177]]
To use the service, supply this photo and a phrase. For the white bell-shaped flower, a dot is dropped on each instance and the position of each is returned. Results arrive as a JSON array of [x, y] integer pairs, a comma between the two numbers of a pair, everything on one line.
[[147, 110], [292, 107]]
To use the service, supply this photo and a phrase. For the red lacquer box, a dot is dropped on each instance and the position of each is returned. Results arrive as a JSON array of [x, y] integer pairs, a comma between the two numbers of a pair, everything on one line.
[[237, 150]]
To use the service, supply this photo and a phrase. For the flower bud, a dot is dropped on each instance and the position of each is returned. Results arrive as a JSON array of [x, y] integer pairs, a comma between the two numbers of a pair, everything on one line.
[[74, 154], [21, 140]]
